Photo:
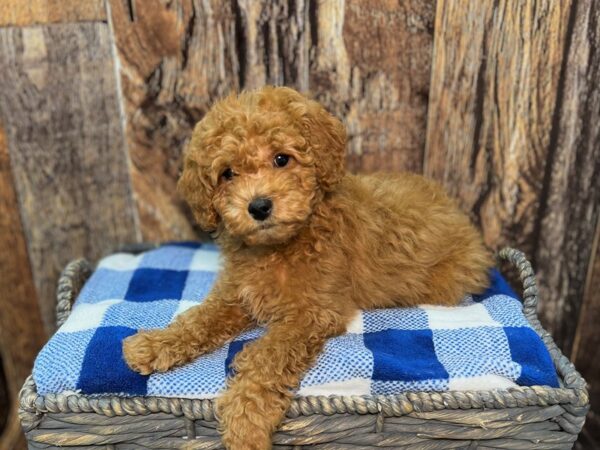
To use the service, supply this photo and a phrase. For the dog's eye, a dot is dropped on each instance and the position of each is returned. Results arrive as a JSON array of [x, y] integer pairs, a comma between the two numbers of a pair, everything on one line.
[[227, 174], [281, 160]]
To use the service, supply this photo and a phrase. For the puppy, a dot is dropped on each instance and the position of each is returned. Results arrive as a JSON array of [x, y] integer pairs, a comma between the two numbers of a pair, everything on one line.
[[304, 247]]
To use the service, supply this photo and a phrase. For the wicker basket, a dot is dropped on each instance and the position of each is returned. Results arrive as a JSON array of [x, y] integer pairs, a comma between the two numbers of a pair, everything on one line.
[[524, 417]]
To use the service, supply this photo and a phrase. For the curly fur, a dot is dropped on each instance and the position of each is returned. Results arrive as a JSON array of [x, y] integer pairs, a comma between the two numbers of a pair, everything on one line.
[[333, 244]]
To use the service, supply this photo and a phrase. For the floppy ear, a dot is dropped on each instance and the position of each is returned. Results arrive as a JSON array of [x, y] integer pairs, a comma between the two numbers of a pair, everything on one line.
[[196, 188], [326, 137]]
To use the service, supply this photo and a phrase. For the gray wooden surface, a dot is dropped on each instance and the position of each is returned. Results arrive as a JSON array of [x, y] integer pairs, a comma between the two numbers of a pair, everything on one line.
[[60, 111]]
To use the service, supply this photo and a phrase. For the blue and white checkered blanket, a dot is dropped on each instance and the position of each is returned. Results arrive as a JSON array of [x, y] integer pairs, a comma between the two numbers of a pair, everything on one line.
[[485, 343]]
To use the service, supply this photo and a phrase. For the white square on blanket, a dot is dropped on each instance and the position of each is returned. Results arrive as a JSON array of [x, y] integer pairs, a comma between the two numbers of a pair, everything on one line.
[[355, 386], [184, 305], [356, 324], [121, 261], [480, 383], [205, 260], [87, 316], [451, 318]]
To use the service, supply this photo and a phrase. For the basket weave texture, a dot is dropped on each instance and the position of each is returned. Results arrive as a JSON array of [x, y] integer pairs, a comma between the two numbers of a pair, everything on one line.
[[538, 417]]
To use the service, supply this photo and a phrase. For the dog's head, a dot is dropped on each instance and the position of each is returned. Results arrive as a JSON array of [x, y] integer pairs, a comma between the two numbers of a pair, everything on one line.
[[258, 163]]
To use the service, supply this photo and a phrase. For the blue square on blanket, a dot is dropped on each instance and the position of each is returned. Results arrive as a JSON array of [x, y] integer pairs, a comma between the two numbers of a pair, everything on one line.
[[139, 316], [414, 360], [106, 284], [396, 318], [148, 285], [168, 257], [198, 285], [63, 356], [234, 348], [498, 286], [104, 355], [506, 311], [527, 349], [473, 352], [188, 244]]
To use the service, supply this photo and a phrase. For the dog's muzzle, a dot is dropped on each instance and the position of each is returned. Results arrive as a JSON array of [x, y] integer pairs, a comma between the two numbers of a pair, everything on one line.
[[260, 208]]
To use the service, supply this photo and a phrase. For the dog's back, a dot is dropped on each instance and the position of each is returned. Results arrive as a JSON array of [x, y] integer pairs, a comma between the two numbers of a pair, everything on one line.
[[411, 243]]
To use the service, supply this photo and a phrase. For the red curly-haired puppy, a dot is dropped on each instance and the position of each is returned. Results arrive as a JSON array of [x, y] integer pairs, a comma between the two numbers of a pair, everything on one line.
[[304, 247]]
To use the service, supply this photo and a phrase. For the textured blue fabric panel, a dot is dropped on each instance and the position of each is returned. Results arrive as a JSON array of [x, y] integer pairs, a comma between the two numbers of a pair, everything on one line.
[[498, 286], [105, 370], [414, 360], [530, 353], [166, 285]]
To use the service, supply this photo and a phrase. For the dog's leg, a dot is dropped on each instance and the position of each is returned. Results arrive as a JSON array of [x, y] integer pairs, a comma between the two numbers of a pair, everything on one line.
[[199, 330], [266, 371]]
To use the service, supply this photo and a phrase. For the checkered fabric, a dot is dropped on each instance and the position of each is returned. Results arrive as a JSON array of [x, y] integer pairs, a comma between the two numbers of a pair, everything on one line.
[[484, 343]]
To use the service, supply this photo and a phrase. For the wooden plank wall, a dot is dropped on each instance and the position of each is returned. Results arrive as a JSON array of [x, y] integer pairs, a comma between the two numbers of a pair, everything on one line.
[[68, 157], [21, 329], [581, 117], [496, 99], [176, 58], [63, 168], [512, 132], [33, 12]]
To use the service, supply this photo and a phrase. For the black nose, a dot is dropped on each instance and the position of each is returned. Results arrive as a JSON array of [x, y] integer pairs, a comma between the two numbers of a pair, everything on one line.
[[260, 208]]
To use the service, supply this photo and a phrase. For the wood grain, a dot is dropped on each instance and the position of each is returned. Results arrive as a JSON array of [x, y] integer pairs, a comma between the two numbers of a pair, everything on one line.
[[4, 398], [587, 339], [581, 109], [32, 12], [21, 329], [171, 70], [570, 200], [367, 61], [59, 105], [511, 134], [374, 71], [494, 80]]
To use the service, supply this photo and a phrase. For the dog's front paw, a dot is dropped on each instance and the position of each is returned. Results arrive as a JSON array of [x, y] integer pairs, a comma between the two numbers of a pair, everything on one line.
[[149, 351], [246, 418]]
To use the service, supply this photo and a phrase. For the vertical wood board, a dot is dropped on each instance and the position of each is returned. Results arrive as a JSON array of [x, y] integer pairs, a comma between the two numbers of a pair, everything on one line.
[[571, 196], [21, 329], [59, 104], [32, 12], [511, 133]]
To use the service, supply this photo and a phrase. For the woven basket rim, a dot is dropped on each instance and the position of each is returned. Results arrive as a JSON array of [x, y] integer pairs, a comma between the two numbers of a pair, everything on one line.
[[573, 392]]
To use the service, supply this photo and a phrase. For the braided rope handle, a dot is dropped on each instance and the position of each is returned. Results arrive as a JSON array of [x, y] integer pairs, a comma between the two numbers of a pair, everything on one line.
[[70, 282], [530, 291]]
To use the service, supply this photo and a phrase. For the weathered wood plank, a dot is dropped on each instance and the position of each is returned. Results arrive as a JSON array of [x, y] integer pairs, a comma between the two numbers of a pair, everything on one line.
[[581, 116], [58, 101], [21, 329], [165, 90], [178, 57], [571, 196], [511, 134], [4, 398], [494, 80], [587, 340], [31, 12], [372, 67]]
